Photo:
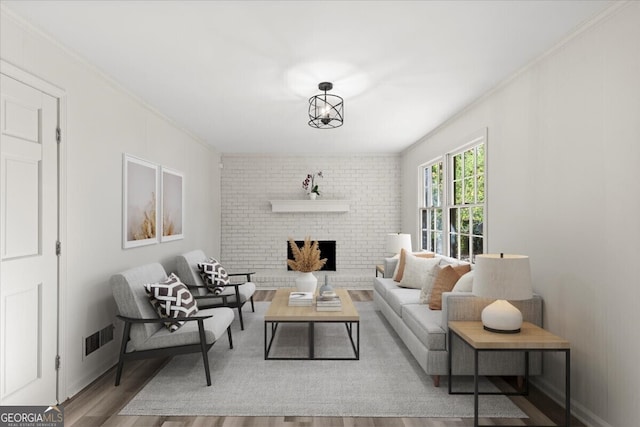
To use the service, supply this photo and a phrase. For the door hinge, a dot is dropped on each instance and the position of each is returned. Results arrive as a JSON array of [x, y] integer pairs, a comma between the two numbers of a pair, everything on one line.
[[58, 248], [58, 135], [57, 362]]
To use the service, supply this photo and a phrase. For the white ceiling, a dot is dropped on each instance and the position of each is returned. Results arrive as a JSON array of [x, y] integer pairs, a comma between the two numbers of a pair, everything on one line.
[[238, 74]]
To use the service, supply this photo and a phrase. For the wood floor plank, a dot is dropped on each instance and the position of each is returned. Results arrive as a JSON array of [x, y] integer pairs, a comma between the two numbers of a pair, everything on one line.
[[99, 403]]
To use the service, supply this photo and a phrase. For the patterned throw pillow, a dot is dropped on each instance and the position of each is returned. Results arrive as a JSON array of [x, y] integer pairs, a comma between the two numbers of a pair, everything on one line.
[[214, 275], [171, 298]]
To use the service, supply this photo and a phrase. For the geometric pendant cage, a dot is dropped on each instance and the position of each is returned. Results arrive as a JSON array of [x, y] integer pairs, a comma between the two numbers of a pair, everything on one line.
[[326, 111]]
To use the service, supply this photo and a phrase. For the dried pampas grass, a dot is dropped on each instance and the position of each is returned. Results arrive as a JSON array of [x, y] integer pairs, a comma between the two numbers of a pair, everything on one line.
[[307, 258], [147, 229]]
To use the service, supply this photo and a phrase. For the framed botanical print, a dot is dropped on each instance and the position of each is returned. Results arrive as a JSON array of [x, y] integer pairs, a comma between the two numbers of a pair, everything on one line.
[[140, 202], [172, 205]]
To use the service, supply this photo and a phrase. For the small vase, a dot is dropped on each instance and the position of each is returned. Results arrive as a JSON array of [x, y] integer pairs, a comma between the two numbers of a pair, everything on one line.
[[313, 196], [306, 282], [326, 287]]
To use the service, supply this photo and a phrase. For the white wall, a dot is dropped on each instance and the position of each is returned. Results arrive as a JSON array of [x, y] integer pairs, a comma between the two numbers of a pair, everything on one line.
[[254, 237], [564, 188], [103, 122]]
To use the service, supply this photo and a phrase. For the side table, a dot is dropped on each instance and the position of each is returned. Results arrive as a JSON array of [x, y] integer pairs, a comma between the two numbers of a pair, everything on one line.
[[380, 269], [531, 338]]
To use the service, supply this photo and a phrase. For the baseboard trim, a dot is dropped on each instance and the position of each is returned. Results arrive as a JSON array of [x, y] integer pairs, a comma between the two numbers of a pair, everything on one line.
[[578, 410]]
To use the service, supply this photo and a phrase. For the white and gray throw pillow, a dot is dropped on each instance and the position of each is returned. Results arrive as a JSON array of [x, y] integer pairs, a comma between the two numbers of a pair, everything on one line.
[[213, 275], [171, 298], [417, 271]]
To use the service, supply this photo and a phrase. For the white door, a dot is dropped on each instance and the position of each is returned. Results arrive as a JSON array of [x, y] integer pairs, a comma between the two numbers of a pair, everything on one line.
[[28, 235]]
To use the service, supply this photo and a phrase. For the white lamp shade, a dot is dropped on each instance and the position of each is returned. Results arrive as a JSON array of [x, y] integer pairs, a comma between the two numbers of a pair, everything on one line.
[[499, 276], [396, 242]]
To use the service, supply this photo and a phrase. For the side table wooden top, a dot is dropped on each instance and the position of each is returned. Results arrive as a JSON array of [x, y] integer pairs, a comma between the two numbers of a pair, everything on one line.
[[531, 337]]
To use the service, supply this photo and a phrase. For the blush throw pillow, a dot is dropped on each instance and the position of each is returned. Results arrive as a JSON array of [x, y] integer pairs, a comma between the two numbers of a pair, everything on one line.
[[399, 272], [171, 298], [213, 275], [445, 281], [417, 271]]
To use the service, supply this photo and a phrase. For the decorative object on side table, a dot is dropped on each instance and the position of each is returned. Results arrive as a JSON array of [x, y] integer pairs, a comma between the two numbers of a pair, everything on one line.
[[502, 277], [306, 260], [310, 186]]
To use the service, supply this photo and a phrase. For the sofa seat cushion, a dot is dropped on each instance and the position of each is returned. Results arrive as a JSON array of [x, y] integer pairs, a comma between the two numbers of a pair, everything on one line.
[[245, 290], [381, 285], [215, 327], [397, 297], [425, 324]]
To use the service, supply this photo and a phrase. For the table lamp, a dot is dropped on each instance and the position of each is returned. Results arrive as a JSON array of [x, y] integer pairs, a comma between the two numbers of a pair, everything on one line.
[[502, 277], [395, 242]]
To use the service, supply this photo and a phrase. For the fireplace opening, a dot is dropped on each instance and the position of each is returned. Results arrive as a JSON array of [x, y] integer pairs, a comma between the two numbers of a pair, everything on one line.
[[327, 250]]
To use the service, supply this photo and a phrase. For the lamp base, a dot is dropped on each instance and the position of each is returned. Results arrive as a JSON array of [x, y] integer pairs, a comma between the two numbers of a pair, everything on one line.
[[501, 317], [499, 331]]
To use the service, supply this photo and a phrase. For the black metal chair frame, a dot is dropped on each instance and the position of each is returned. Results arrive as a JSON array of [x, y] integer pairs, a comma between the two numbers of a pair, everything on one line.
[[225, 303], [201, 347]]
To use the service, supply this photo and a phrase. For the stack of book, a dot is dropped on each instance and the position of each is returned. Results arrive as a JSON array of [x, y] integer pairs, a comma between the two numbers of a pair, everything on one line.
[[332, 303], [301, 299]]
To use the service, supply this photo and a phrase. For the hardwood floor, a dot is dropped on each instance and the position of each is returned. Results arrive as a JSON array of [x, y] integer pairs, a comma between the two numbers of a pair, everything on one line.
[[99, 403]]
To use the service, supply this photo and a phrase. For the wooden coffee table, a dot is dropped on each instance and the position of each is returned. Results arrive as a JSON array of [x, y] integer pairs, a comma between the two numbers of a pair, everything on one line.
[[280, 312]]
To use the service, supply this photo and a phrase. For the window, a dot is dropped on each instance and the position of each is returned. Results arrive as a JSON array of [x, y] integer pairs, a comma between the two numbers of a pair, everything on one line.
[[453, 214], [432, 220]]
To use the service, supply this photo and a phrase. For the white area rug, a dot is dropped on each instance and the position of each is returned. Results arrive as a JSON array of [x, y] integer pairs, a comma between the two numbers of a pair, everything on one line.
[[385, 382]]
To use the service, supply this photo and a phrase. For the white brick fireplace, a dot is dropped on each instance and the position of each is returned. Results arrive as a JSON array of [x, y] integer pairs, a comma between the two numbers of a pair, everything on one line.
[[254, 237]]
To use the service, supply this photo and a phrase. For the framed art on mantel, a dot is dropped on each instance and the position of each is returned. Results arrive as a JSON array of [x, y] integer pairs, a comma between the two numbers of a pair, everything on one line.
[[140, 203], [172, 205]]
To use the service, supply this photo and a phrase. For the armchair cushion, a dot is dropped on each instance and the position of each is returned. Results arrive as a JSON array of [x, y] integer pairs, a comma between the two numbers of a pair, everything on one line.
[[214, 328], [246, 291], [171, 298], [213, 275], [132, 300]]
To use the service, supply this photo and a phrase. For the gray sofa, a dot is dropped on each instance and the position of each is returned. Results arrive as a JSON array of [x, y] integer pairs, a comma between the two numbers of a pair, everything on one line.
[[424, 331]]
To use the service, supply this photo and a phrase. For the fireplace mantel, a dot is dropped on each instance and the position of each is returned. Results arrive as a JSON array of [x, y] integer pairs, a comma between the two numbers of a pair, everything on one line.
[[309, 205]]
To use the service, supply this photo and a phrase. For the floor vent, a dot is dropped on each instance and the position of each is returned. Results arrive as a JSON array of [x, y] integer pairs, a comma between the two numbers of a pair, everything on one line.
[[91, 343], [106, 335], [98, 339]]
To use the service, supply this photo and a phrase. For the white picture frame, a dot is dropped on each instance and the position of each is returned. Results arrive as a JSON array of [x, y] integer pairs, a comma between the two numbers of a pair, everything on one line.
[[172, 211], [139, 202]]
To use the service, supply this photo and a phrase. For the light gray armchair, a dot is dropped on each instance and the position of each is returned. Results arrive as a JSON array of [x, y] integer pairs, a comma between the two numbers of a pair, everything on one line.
[[145, 334], [234, 294]]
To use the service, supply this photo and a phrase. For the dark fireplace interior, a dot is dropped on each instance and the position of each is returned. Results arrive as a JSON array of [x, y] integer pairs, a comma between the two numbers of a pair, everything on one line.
[[327, 250]]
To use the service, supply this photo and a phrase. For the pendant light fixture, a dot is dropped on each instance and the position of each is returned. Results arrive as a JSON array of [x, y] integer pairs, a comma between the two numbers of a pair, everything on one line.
[[326, 111]]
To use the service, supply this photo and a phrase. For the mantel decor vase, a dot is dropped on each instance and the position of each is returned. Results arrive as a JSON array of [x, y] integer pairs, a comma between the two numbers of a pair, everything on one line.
[[306, 282], [313, 196]]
